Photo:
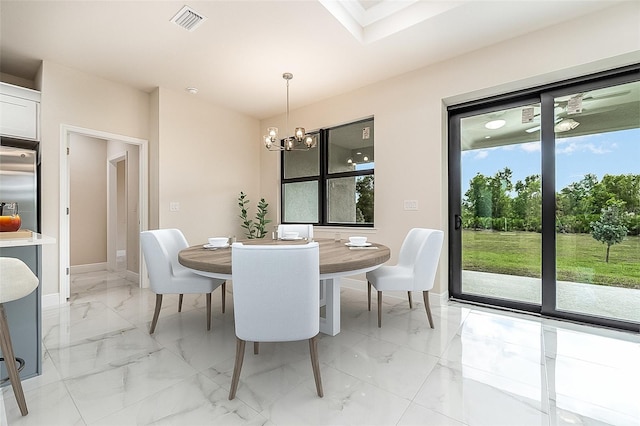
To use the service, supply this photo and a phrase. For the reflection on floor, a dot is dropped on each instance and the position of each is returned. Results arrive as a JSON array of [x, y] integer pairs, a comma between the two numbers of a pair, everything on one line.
[[101, 367]]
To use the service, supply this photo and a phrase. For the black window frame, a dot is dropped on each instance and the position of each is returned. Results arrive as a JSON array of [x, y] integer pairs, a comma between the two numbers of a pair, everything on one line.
[[545, 95], [323, 177]]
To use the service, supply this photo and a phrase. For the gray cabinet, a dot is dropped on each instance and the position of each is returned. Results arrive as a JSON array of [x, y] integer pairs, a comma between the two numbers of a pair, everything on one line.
[[24, 317]]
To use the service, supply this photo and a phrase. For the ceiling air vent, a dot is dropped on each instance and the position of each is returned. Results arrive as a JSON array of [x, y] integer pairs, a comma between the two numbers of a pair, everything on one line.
[[188, 18]]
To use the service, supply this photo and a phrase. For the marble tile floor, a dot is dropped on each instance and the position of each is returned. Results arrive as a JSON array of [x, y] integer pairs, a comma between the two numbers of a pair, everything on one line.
[[477, 367]]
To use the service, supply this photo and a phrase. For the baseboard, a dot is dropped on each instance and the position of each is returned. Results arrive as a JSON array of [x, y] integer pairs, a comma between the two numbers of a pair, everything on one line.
[[90, 267], [134, 277], [439, 299]]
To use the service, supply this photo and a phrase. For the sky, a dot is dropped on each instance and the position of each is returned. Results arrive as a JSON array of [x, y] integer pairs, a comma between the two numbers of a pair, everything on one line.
[[599, 154]]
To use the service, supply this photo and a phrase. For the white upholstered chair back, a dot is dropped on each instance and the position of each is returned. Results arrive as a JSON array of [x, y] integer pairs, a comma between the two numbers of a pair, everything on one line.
[[415, 271], [275, 291], [303, 230], [421, 252], [160, 248]]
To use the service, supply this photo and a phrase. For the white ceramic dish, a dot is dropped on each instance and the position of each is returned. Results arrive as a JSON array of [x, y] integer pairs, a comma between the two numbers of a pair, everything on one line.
[[218, 241], [357, 240], [357, 245], [210, 246]]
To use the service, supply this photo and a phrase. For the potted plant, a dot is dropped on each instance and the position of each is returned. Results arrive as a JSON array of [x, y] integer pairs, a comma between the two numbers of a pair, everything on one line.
[[257, 228]]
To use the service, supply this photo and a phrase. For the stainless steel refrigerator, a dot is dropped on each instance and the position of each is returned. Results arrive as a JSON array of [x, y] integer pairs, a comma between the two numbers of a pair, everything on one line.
[[19, 184]]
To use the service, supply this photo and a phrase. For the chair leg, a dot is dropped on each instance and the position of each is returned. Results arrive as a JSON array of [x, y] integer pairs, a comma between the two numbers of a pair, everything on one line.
[[379, 309], [410, 300], [224, 295], [10, 362], [156, 313], [369, 295], [315, 365], [237, 367], [256, 348], [180, 303], [427, 307], [208, 311]]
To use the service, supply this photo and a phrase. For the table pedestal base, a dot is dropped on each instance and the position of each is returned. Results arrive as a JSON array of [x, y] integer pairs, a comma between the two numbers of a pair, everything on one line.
[[330, 300]]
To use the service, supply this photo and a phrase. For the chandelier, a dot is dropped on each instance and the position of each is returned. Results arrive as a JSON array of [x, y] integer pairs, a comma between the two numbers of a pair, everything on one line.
[[300, 141]]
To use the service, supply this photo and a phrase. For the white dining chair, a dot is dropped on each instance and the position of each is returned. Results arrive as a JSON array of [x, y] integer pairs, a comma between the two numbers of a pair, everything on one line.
[[303, 230], [167, 276], [415, 270], [275, 299]]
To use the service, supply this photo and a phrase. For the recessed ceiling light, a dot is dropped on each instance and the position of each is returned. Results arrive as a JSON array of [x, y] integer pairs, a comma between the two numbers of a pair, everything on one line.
[[495, 124], [192, 90]]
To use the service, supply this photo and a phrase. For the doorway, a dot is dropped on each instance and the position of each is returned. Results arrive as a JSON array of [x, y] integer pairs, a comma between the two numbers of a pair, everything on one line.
[[118, 226], [132, 213], [544, 184]]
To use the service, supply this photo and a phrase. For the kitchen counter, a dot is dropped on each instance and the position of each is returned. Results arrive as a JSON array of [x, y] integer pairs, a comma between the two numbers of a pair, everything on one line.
[[34, 240]]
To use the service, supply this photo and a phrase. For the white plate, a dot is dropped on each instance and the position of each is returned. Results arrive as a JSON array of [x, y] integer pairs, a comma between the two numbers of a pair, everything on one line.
[[290, 239], [209, 246], [357, 245]]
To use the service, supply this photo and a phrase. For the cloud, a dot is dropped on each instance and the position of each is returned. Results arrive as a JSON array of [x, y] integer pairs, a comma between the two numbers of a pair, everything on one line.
[[530, 147], [583, 147], [481, 154]]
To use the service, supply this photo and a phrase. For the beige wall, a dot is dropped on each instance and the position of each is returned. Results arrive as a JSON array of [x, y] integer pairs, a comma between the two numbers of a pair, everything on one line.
[[410, 113], [74, 98], [206, 156], [87, 200], [202, 156]]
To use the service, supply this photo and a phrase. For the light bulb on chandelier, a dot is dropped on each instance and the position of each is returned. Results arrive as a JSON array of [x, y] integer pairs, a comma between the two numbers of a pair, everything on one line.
[[300, 141]]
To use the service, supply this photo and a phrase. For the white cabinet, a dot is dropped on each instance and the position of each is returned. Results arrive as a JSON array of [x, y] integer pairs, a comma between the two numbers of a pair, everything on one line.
[[19, 112]]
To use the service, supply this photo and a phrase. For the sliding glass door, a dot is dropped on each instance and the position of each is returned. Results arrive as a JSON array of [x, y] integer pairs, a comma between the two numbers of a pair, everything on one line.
[[545, 200], [598, 202], [501, 204]]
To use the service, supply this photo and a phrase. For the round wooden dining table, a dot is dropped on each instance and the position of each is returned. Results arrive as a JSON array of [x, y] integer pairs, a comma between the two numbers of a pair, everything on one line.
[[337, 260]]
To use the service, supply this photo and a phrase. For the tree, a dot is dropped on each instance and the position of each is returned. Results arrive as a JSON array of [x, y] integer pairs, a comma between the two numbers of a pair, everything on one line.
[[501, 186], [527, 205], [577, 197], [364, 205], [610, 229], [478, 197]]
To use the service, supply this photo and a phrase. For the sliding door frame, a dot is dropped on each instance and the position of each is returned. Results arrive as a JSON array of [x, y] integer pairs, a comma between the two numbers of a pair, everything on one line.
[[545, 95]]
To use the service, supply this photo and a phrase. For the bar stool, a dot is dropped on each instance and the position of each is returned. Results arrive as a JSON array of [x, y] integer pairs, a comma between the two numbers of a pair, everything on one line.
[[16, 282]]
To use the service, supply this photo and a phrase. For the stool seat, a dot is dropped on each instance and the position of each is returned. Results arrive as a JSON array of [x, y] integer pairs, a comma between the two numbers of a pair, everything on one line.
[[17, 280]]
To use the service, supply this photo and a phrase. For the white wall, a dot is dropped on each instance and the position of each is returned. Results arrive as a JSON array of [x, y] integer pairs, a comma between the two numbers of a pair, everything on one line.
[[410, 113]]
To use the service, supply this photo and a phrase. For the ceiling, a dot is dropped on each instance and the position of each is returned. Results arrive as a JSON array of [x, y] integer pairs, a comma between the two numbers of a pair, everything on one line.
[[596, 111], [236, 57]]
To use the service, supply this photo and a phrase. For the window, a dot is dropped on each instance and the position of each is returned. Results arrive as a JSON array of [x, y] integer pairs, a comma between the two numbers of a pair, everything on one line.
[[332, 185]]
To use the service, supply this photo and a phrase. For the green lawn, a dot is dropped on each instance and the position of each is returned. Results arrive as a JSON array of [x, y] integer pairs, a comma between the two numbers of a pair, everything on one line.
[[580, 257]]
